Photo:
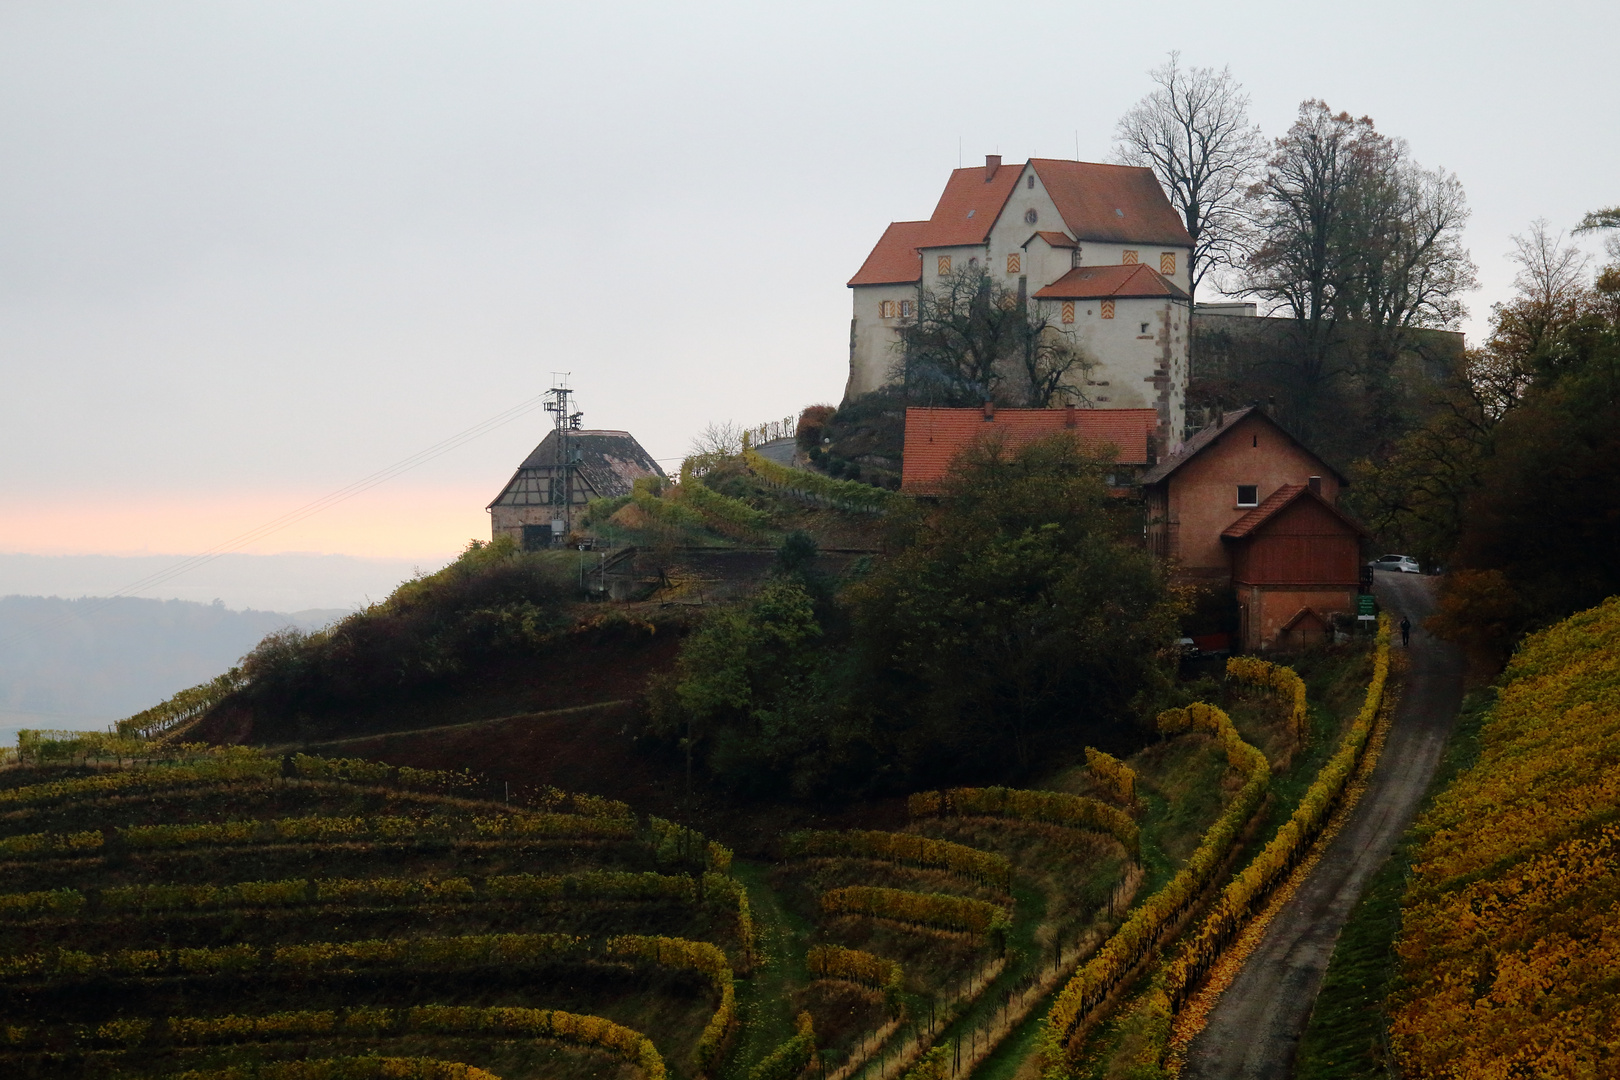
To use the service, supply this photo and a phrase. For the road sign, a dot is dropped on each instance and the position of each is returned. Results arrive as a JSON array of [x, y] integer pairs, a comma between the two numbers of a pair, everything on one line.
[[1366, 605]]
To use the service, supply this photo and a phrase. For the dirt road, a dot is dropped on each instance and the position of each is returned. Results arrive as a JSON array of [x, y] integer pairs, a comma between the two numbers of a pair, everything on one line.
[[1255, 1029]]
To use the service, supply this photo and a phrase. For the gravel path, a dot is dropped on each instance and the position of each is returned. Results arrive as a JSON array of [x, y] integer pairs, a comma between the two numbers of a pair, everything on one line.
[[1255, 1029]]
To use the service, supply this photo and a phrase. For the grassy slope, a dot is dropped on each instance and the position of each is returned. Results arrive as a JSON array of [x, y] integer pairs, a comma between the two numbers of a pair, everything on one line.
[[1346, 1037]]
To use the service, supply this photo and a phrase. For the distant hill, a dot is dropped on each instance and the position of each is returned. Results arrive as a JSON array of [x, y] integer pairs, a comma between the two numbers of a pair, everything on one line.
[[82, 663]]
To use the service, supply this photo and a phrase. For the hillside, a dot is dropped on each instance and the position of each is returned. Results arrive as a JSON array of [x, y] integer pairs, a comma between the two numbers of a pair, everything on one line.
[[1508, 936]]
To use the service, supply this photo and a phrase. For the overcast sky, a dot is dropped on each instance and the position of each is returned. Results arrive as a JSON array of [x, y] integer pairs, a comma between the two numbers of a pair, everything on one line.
[[250, 253]]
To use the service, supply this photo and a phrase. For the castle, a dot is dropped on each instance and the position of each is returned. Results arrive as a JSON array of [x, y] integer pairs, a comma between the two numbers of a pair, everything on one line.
[[1098, 247]]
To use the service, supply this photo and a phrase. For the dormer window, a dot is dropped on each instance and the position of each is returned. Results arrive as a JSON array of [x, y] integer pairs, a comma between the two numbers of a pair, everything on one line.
[[1248, 495]]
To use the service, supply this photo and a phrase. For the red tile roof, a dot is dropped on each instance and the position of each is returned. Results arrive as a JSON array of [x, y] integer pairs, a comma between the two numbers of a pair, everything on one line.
[[1116, 203], [1276, 503], [895, 260], [1053, 239], [1202, 440], [934, 437], [1119, 282], [970, 205]]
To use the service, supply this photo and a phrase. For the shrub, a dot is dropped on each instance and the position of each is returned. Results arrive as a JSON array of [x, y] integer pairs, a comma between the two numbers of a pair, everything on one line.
[[908, 849], [1051, 807], [791, 1058], [1113, 774], [939, 910]]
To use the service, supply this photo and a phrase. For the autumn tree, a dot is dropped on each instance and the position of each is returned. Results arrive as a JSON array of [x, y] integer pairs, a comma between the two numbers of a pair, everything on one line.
[[1352, 232], [977, 340], [1193, 131]]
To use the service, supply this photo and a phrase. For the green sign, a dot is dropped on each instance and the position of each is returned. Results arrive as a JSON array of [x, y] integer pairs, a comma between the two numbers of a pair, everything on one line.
[[1366, 605]]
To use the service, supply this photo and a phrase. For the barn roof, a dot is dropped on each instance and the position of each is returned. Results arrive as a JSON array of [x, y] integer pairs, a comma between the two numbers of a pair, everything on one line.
[[1275, 504], [1203, 440], [610, 461], [935, 437]]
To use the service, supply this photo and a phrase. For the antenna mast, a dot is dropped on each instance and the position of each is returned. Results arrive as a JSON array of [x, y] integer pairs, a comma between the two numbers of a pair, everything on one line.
[[566, 456]]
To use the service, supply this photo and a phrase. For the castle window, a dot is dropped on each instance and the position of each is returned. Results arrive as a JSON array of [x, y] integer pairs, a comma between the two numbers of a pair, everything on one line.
[[944, 264], [1015, 263], [885, 309], [1068, 311], [1108, 309], [1144, 329], [1077, 255], [1248, 495], [1127, 257], [907, 309], [1167, 262], [1030, 216], [1032, 181]]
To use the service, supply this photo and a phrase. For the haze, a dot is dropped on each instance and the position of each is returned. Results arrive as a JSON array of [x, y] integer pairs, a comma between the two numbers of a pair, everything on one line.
[[253, 252]]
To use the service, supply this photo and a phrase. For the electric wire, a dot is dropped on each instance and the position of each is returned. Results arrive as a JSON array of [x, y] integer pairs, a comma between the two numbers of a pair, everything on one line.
[[293, 517]]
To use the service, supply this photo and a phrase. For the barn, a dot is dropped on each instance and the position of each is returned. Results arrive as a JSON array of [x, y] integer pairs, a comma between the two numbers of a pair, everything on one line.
[[539, 506]]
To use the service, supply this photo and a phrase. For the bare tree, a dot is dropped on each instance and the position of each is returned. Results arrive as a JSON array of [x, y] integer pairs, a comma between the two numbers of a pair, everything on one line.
[[976, 340], [1194, 133]]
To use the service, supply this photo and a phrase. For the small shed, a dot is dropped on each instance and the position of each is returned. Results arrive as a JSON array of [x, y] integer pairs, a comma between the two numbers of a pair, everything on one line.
[[1296, 562], [540, 504]]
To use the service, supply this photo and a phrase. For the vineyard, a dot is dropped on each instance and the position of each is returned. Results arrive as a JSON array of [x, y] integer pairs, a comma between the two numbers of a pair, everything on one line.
[[219, 913], [231, 915], [1508, 941]]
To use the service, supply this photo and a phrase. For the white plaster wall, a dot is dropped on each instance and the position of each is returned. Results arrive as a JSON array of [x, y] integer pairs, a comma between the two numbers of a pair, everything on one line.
[[871, 352], [961, 256], [1128, 359]]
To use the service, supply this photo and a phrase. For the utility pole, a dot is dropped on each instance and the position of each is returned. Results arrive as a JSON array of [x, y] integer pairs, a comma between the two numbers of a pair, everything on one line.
[[565, 455]]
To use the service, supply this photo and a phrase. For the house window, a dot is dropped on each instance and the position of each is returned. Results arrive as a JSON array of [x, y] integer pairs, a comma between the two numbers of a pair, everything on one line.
[[1077, 255], [1030, 216], [1127, 257], [1068, 311], [944, 264], [907, 309], [1167, 262], [1108, 309], [1144, 329], [1031, 184], [1248, 495], [1015, 263]]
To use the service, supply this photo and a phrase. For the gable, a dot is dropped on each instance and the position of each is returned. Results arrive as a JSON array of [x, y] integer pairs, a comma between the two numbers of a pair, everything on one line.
[[1115, 203]]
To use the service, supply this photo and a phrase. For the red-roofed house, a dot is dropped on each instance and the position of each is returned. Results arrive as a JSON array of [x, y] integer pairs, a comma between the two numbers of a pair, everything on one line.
[[935, 437], [1034, 226], [1245, 503]]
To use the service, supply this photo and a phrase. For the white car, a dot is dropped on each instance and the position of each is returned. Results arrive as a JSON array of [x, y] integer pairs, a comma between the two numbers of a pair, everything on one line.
[[1404, 563]]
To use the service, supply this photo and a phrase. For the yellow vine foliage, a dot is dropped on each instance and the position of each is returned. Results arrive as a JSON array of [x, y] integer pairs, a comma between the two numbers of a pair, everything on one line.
[[857, 966], [906, 849], [700, 956], [1510, 938], [350, 1068], [940, 910], [225, 768], [1140, 935], [1112, 773], [1245, 892], [1051, 807], [1283, 680]]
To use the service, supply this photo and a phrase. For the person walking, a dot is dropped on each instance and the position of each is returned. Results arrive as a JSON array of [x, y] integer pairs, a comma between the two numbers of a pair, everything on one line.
[[1406, 630]]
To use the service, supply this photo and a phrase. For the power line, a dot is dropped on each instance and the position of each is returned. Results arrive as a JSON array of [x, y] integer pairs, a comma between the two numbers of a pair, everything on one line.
[[308, 510]]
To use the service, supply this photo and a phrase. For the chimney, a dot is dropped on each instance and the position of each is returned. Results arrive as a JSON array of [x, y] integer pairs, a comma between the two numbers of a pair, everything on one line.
[[1316, 485], [989, 411], [992, 162], [1068, 415]]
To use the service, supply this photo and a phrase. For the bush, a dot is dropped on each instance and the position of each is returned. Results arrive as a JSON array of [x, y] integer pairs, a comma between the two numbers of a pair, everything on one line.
[[494, 599], [937, 910], [907, 849]]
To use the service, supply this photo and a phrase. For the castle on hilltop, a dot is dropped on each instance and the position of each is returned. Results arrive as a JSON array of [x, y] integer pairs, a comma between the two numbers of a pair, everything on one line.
[[1098, 247]]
